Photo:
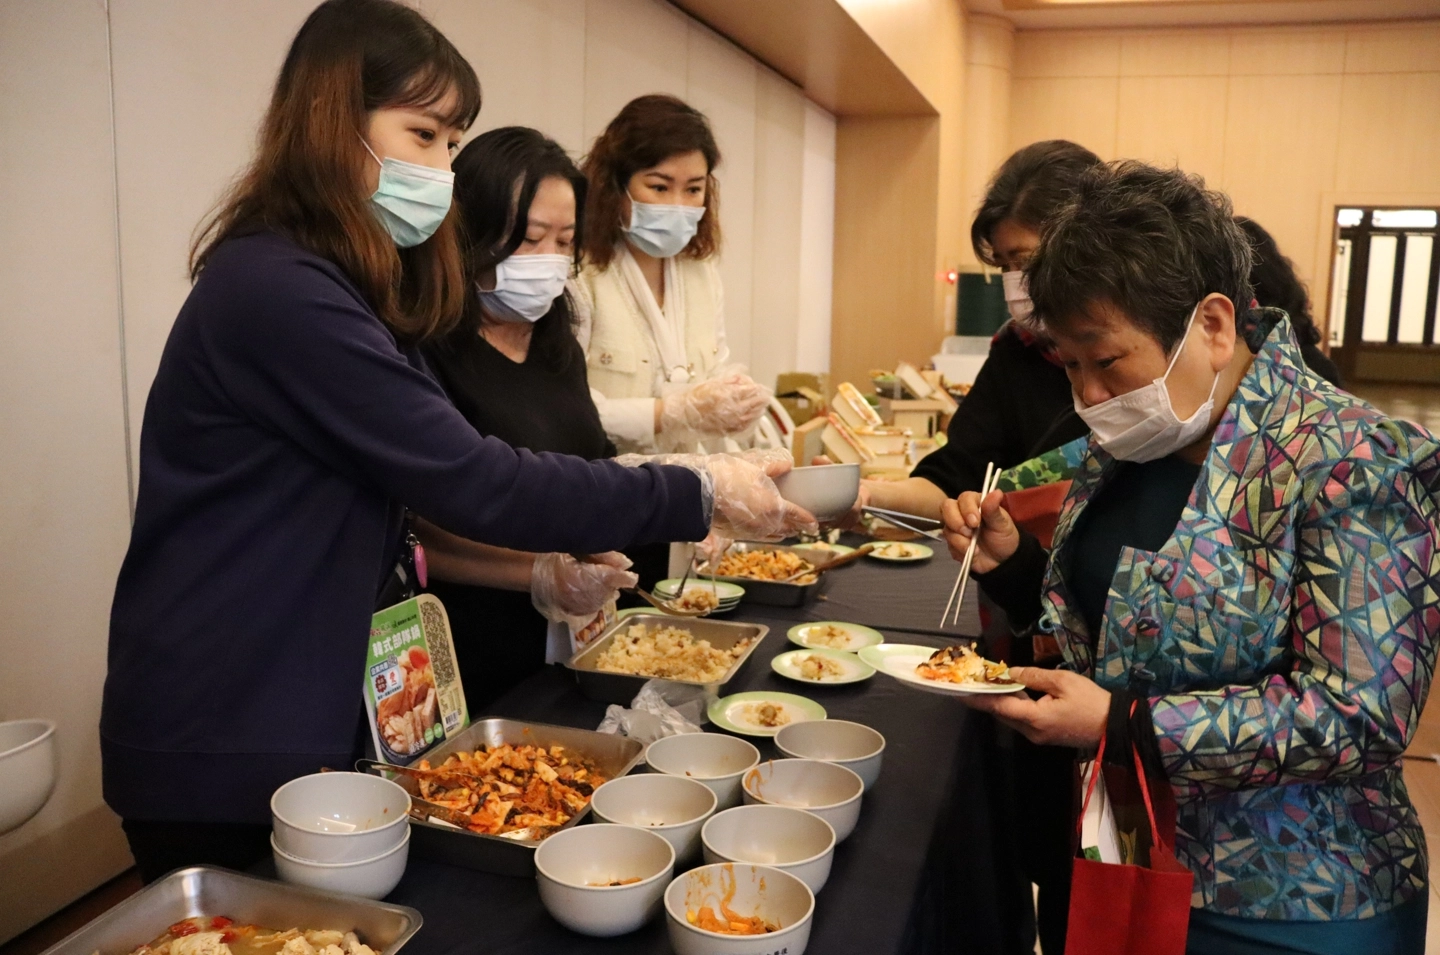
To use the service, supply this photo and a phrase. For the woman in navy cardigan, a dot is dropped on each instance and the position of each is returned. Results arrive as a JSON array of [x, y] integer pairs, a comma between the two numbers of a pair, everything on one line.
[[290, 425]]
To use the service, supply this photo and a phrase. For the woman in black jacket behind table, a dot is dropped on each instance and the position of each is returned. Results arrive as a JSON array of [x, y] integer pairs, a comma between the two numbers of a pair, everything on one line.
[[516, 372], [1277, 286], [291, 421]]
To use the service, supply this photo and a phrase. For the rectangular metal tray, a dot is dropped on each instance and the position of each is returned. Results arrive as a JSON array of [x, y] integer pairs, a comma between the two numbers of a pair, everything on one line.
[[612, 755], [206, 890], [621, 687], [772, 593]]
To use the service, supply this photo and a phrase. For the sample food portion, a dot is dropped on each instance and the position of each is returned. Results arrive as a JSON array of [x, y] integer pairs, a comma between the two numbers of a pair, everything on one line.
[[761, 713], [218, 935], [521, 789], [828, 635], [767, 565], [900, 551], [699, 599], [815, 667], [668, 653], [961, 664], [729, 922], [404, 712]]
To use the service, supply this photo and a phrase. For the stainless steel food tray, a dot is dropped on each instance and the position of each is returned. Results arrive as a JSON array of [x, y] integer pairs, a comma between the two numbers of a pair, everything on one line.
[[773, 593], [205, 890], [622, 687], [613, 755]]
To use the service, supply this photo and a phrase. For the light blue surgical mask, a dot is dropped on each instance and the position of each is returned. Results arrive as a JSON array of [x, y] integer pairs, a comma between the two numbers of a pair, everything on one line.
[[411, 200], [662, 230]]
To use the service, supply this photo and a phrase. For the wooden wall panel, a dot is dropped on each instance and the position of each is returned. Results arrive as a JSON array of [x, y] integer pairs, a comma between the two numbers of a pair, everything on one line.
[[1067, 54], [1174, 121], [1390, 132], [1182, 53], [779, 189], [1287, 52], [1083, 109], [1402, 48]]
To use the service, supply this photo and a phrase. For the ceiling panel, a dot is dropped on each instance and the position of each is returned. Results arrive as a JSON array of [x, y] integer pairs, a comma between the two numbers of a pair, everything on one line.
[[1060, 14]]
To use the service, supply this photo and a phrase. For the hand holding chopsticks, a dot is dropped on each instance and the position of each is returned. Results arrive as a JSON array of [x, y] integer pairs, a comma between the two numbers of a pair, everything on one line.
[[976, 527]]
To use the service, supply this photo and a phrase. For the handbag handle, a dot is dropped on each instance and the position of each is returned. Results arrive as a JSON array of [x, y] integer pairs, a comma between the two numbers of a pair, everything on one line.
[[1090, 789], [1139, 775]]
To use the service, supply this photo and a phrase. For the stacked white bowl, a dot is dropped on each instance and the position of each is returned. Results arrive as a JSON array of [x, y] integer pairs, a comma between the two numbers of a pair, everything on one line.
[[341, 832]]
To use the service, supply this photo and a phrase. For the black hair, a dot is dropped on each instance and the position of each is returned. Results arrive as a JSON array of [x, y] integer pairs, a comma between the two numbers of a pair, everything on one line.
[[1275, 283], [1028, 187], [496, 177], [1150, 242]]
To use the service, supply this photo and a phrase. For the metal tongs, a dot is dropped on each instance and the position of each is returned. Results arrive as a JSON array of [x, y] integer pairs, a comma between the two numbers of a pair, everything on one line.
[[907, 521]]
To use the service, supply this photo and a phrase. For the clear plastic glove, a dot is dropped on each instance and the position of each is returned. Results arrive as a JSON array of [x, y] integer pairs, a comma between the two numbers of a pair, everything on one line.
[[565, 590], [712, 548], [745, 503], [727, 404]]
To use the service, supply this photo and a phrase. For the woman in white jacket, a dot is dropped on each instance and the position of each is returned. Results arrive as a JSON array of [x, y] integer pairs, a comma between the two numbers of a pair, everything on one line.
[[649, 301]]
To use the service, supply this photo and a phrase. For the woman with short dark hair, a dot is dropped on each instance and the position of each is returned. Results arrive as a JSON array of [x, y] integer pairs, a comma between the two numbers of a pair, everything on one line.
[[1245, 576], [1276, 285]]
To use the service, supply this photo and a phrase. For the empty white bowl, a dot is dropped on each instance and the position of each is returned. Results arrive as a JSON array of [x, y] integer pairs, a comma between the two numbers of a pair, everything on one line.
[[672, 807], [339, 817], [714, 759], [852, 745], [829, 791], [575, 868], [27, 770], [368, 878], [792, 840], [759, 890], [825, 490]]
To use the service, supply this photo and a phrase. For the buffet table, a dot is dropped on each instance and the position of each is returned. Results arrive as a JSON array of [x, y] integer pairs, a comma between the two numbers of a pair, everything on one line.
[[916, 875]]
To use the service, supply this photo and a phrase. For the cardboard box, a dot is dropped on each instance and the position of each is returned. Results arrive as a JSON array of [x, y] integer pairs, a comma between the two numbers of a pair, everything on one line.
[[803, 404], [809, 441]]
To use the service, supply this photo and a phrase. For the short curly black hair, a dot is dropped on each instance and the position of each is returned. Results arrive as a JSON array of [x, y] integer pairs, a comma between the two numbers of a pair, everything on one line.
[[1276, 283], [1150, 242]]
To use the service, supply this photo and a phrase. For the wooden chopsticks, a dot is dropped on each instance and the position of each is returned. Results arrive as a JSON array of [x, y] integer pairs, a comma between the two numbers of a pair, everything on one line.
[[992, 478]]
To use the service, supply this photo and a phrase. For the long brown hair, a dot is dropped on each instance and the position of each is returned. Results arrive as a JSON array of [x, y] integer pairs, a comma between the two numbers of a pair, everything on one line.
[[306, 182], [648, 131]]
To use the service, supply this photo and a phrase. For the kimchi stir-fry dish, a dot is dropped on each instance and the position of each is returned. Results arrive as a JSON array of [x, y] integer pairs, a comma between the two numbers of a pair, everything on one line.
[[961, 664], [218, 935], [511, 788]]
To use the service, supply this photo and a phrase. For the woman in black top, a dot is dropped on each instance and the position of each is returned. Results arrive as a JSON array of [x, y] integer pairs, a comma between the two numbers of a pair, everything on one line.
[[516, 372], [1277, 286]]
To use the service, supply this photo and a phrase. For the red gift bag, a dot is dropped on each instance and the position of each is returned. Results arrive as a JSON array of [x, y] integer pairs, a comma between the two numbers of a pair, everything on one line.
[[1131, 909]]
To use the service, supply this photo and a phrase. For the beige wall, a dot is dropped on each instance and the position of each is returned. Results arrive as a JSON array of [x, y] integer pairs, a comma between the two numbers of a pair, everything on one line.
[[94, 243], [64, 516], [1290, 121]]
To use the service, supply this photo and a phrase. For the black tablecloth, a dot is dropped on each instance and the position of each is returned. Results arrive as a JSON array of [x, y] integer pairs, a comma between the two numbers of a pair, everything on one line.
[[915, 876]]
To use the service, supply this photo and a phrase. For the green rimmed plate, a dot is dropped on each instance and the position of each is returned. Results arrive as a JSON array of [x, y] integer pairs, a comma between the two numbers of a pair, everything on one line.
[[852, 668], [900, 660], [839, 550], [857, 637], [727, 592], [901, 552], [739, 713]]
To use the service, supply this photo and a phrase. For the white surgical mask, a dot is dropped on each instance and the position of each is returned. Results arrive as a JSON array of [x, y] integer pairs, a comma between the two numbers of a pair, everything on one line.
[[525, 287], [411, 200], [662, 230], [1141, 425], [1017, 296]]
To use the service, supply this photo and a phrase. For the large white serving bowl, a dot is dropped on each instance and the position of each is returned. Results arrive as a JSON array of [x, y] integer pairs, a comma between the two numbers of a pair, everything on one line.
[[792, 840], [714, 759], [368, 878], [829, 791], [825, 490], [339, 817], [27, 770], [852, 745], [574, 867], [672, 807], [760, 890]]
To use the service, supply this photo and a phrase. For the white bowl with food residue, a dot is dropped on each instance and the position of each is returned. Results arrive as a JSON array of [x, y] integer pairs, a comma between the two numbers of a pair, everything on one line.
[[852, 745], [792, 840], [603, 879], [831, 792], [368, 878], [825, 490], [714, 759], [339, 817], [737, 909], [672, 807]]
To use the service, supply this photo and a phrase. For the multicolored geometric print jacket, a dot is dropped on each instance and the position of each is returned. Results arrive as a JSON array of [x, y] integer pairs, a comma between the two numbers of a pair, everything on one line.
[[1288, 629]]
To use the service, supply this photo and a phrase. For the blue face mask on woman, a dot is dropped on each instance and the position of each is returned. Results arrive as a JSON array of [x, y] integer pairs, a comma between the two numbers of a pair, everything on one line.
[[411, 200]]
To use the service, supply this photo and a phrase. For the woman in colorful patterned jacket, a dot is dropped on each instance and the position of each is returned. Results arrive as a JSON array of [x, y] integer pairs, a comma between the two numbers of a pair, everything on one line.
[[1248, 556]]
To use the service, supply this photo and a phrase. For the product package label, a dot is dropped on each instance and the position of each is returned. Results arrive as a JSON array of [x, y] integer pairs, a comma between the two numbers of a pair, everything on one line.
[[412, 686]]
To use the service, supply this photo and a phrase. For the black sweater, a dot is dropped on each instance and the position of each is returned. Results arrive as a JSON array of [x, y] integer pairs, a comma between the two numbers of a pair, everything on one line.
[[284, 431]]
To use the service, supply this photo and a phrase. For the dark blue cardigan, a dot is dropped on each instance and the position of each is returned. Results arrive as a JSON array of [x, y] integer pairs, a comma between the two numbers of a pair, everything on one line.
[[284, 431]]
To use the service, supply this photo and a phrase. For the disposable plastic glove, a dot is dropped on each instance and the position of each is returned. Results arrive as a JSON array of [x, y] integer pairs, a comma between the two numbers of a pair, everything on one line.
[[566, 590], [729, 403]]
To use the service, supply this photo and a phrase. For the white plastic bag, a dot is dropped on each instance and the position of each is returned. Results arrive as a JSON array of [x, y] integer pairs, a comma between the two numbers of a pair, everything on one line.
[[660, 709]]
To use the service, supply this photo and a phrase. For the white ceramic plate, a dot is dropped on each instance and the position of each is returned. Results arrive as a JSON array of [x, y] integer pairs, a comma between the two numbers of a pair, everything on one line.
[[728, 593], [857, 638], [900, 660], [853, 669], [901, 552], [733, 713]]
